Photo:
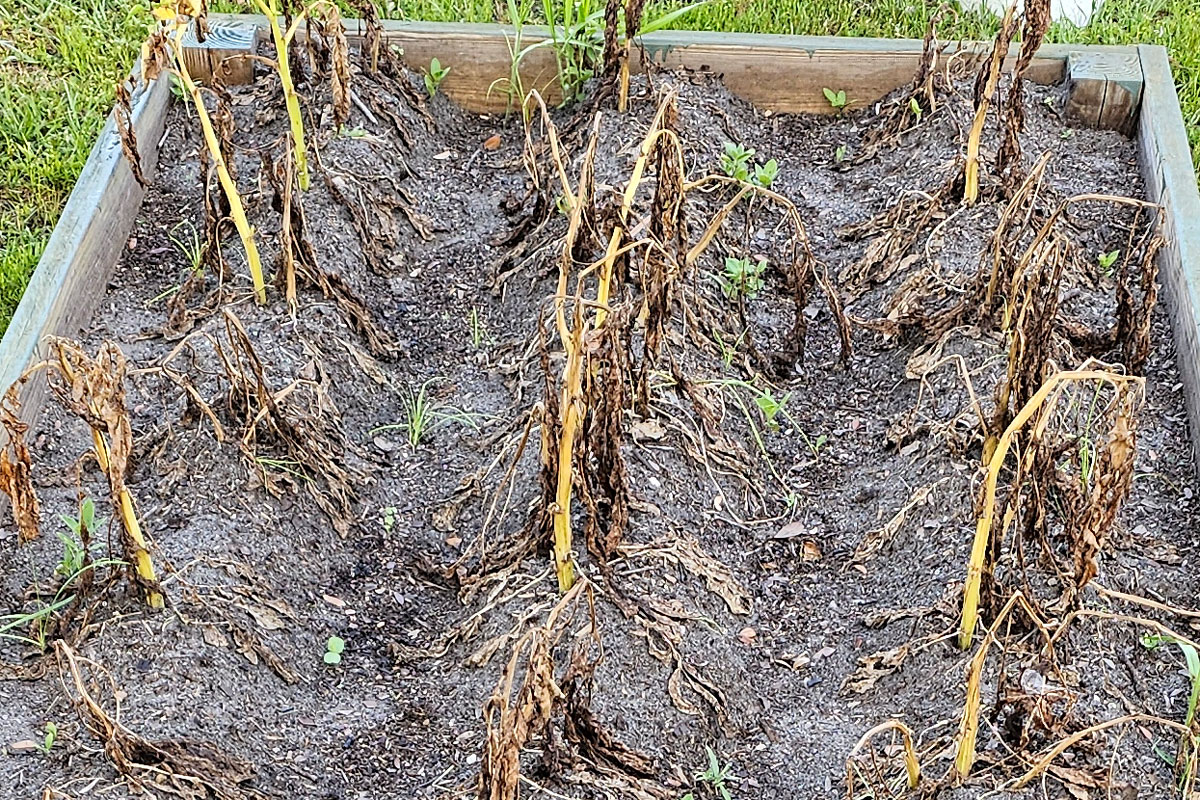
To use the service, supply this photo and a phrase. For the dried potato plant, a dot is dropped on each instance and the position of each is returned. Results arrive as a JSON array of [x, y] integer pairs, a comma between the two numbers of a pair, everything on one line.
[[93, 389], [16, 469], [163, 51], [1037, 429]]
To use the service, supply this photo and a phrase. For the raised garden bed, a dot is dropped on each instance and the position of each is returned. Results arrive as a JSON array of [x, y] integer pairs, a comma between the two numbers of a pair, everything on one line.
[[785, 405]]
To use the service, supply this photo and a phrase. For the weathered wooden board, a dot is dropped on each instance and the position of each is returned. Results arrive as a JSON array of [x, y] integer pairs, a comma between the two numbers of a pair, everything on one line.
[[774, 72], [74, 269], [224, 53], [1166, 165]]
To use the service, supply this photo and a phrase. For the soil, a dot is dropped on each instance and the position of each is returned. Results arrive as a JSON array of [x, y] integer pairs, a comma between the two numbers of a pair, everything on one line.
[[258, 576]]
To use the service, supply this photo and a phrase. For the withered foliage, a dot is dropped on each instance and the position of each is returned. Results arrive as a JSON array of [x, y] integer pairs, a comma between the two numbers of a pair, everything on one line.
[[184, 768], [1036, 21], [298, 422], [520, 714], [16, 469], [217, 222], [664, 261], [387, 69], [371, 213], [1134, 314], [1031, 313], [1095, 498], [515, 714], [93, 389], [605, 479], [328, 22], [893, 235], [897, 116], [300, 261], [123, 114]]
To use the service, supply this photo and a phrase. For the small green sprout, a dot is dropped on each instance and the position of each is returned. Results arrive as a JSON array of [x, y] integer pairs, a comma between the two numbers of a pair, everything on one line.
[[51, 735], [479, 331], [765, 174], [333, 650], [837, 100], [188, 242], [389, 519], [434, 77], [1107, 260], [916, 109], [424, 413], [839, 155], [74, 557], [1191, 660], [716, 776], [743, 278], [770, 406], [735, 161]]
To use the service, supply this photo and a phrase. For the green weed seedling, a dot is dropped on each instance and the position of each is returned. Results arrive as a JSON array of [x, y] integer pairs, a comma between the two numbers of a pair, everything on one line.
[[334, 648], [48, 740], [839, 155], [728, 350], [1107, 260], [434, 77], [770, 406], [423, 414], [188, 242], [1191, 659], [837, 100], [576, 30], [389, 519], [735, 161], [915, 108], [765, 174], [743, 279], [479, 331], [715, 779], [79, 529]]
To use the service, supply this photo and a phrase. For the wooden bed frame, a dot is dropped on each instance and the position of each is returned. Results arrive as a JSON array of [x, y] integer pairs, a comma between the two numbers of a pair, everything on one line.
[[1126, 88]]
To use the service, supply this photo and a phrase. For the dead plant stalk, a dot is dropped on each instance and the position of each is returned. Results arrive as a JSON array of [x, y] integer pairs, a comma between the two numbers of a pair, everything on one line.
[[573, 406], [1048, 391], [166, 47]]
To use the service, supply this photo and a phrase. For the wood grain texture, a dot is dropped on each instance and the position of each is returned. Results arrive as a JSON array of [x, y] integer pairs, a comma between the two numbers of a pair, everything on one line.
[[1170, 179], [774, 72], [223, 53], [74, 269], [1104, 90]]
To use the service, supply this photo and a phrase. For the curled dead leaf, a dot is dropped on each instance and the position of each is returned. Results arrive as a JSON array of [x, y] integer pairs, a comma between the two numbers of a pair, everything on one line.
[[873, 667]]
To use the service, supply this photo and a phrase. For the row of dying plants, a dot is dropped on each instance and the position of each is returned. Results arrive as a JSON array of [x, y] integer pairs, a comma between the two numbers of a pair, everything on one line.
[[1058, 450]]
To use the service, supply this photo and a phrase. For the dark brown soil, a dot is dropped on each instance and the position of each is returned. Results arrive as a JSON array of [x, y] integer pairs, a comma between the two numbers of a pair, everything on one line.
[[253, 576]]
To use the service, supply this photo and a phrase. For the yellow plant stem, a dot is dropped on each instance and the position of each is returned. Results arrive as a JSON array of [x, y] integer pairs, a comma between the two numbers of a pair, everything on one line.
[[290, 99], [1053, 384], [912, 767], [571, 400], [572, 410], [968, 727], [572, 407], [971, 183], [141, 555], [623, 96], [635, 180], [236, 211], [971, 175]]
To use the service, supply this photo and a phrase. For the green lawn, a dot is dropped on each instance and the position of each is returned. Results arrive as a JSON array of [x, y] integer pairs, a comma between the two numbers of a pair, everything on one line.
[[59, 61]]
